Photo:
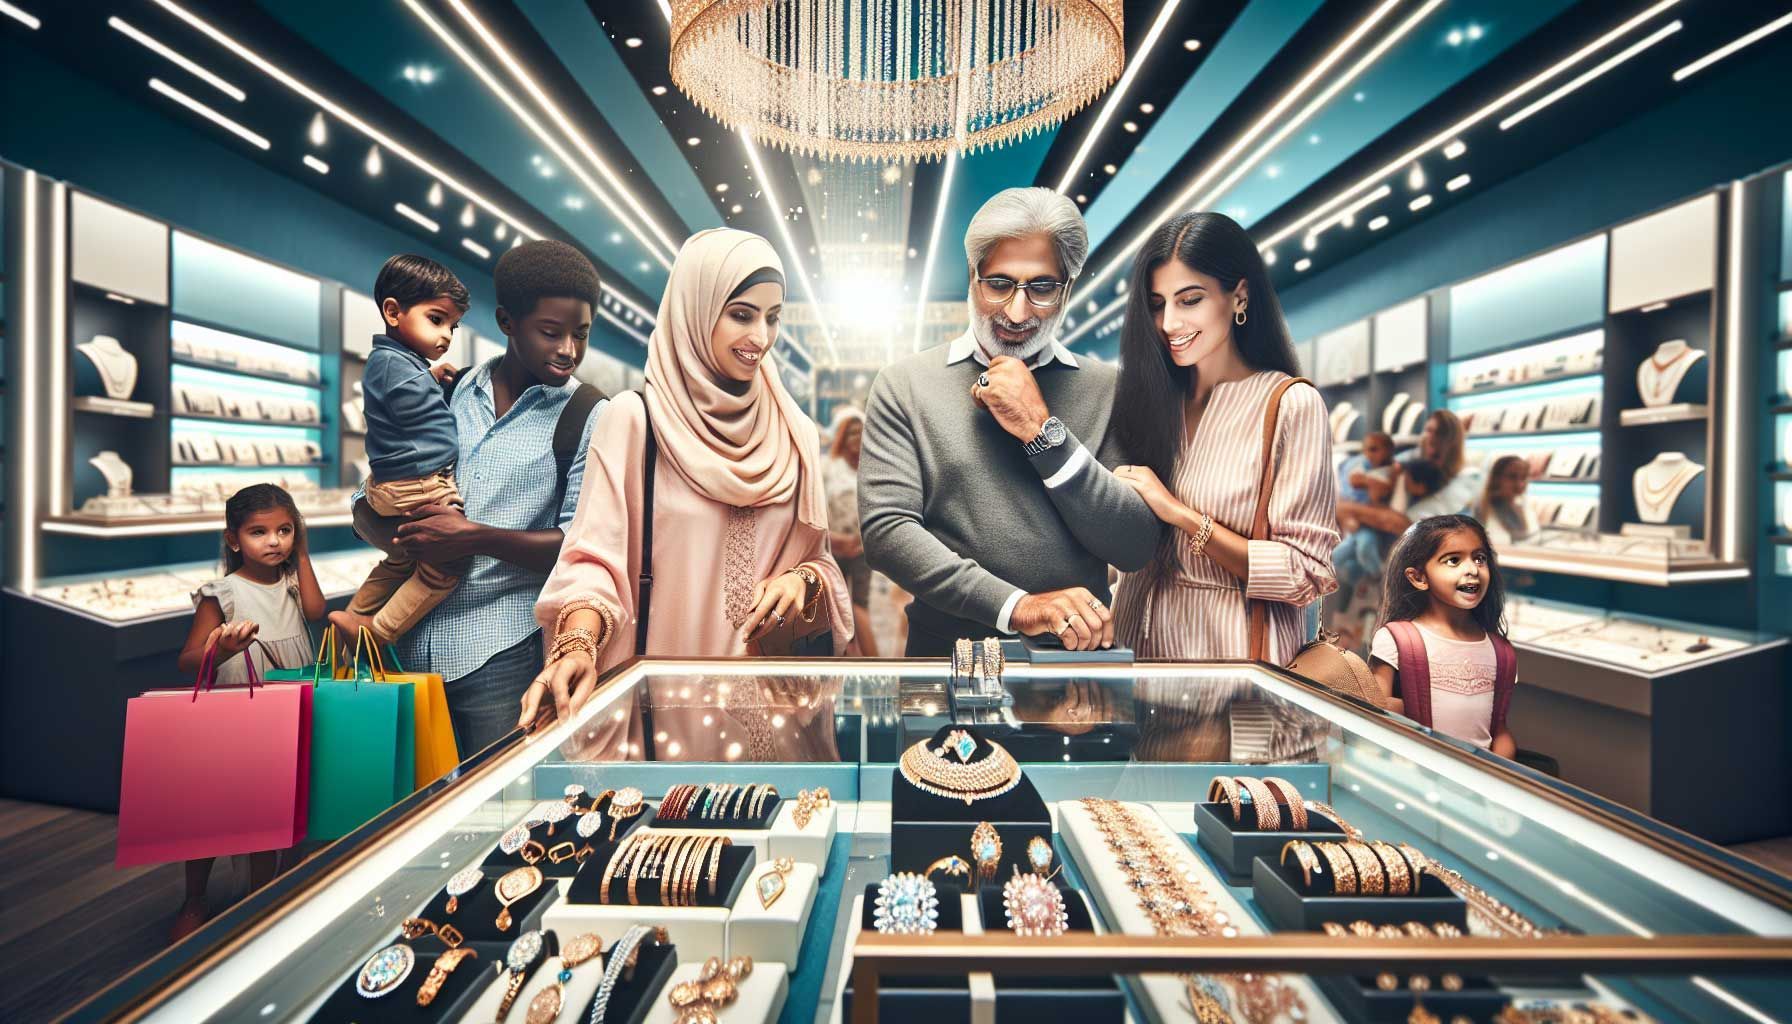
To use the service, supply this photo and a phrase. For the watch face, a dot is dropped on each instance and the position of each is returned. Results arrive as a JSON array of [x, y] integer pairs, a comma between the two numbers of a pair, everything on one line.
[[1054, 431]]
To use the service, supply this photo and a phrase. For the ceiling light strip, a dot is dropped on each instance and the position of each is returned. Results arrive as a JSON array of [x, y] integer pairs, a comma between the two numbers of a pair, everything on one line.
[[26, 512], [475, 248], [1352, 210], [191, 67], [416, 218], [315, 164], [1591, 73], [1263, 124], [621, 324], [1477, 117], [1724, 51], [208, 113], [1738, 270], [20, 15], [60, 391], [578, 140], [939, 223], [341, 113], [1118, 95], [791, 252]]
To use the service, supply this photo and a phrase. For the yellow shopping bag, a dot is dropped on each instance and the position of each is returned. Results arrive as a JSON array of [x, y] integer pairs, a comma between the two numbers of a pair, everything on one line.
[[437, 754]]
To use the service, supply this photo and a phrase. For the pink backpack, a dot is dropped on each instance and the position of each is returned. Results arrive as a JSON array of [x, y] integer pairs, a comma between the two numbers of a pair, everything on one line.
[[1415, 675]]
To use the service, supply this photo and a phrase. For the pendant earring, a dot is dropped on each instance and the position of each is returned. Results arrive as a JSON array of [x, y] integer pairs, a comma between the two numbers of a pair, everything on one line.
[[1239, 318]]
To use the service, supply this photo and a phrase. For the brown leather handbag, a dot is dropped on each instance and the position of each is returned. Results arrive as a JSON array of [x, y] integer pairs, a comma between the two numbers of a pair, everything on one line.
[[1321, 660]]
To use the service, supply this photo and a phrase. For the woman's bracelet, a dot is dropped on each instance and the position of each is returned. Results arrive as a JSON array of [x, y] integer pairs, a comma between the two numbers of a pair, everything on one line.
[[811, 591], [583, 640], [1202, 535]]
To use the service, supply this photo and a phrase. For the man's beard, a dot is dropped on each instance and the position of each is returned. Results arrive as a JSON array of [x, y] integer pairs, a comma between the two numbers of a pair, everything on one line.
[[983, 328]]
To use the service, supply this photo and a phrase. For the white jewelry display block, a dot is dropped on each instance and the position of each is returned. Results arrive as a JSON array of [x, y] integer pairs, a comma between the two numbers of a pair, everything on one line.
[[1161, 996], [773, 933], [702, 932], [761, 994], [804, 845], [578, 995]]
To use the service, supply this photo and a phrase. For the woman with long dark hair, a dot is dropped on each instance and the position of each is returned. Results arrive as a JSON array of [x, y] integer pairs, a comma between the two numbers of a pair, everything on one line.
[[1203, 349]]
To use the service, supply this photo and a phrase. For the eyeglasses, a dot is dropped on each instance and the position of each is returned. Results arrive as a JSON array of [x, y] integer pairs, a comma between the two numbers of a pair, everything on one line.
[[1042, 293]]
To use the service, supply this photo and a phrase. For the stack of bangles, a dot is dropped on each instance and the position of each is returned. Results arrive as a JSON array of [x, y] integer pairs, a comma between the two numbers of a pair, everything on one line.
[[681, 864], [811, 592], [582, 641], [1265, 794], [712, 802], [1360, 869], [1198, 543]]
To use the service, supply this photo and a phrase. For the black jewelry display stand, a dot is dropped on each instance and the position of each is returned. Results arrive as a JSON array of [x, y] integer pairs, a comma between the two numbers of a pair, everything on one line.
[[632, 998], [1286, 902], [602, 846], [1235, 846], [459, 991], [747, 823], [942, 999], [1358, 1000], [736, 867], [925, 827], [476, 915], [1094, 999]]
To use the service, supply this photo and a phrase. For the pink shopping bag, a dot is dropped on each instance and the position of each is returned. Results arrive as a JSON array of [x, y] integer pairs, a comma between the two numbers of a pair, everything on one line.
[[210, 772]]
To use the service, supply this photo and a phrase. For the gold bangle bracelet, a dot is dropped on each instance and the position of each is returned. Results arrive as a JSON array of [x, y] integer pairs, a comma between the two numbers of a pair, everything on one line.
[[1297, 811], [1225, 786], [715, 862], [1371, 879], [1343, 873], [1309, 862], [616, 859], [1399, 872], [1263, 802]]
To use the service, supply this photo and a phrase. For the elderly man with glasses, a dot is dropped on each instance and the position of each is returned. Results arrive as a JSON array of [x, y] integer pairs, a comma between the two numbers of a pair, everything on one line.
[[975, 493]]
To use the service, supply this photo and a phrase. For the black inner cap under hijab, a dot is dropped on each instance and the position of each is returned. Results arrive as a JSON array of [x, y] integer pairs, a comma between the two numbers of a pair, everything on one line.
[[758, 277]]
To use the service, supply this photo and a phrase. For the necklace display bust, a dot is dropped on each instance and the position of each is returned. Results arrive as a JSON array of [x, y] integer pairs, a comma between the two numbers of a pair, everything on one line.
[[1659, 376], [116, 471], [1659, 482], [117, 368]]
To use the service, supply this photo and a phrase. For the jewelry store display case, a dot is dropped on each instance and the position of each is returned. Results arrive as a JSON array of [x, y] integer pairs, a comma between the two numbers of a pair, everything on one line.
[[1528, 891]]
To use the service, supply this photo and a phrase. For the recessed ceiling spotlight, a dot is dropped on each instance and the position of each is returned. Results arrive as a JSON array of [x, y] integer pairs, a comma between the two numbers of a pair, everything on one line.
[[1301, 265], [319, 132], [632, 42], [913, 252], [1269, 257], [1378, 223], [426, 75], [1147, 108], [1273, 170], [1310, 243], [410, 72], [1129, 126], [1110, 168], [1093, 306], [692, 141], [659, 90], [435, 194], [1459, 181], [500, 231], [615, 238], [468, 217], [575, 202], [643, 266], [1360, 96], [1082, 198], [1313, 139], [1454, 38], [1415, 178], [1191, 45], [721, 187], [1474, 32], [735, 208], [1454, 149], [516, 241], [374, 163], [1420, 203]]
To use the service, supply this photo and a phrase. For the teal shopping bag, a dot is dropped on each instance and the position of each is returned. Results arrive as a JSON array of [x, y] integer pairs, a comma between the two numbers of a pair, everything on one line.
[[363, 752]]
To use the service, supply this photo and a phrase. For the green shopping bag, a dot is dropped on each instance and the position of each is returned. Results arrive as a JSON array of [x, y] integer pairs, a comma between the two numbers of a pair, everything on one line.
[[363, 751], [317, 671]]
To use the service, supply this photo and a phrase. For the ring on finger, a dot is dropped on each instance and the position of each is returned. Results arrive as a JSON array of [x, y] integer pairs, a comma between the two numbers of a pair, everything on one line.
[[983, 380]]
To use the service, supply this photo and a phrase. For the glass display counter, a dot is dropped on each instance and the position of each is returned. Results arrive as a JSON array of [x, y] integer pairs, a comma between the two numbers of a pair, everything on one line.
[[740, 809]]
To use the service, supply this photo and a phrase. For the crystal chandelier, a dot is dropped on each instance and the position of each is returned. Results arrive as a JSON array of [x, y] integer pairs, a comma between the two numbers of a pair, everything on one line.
[[900, 80]]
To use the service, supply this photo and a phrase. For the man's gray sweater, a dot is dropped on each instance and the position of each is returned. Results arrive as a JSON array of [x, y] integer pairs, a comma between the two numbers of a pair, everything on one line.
[[955, 512]]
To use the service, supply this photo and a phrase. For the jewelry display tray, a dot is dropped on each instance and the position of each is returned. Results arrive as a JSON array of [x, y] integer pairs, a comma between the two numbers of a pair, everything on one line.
[[1235, 849], [954, 1000], [476, 915], [1279, 892], [733, 925], [761, 995], [455, 1000], [780, 837], [767, 814], [565, 832], [632, 1001], [1359, 1000]]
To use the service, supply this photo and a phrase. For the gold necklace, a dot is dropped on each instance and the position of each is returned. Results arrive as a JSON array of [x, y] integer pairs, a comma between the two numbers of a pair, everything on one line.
[[1676, 479], [979, 780]]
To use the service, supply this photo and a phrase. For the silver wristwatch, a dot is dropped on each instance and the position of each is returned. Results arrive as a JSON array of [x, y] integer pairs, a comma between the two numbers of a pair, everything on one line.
[[1051, 435]]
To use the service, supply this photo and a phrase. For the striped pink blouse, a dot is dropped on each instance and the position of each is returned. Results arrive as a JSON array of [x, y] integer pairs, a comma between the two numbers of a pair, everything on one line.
[[1197, 610]]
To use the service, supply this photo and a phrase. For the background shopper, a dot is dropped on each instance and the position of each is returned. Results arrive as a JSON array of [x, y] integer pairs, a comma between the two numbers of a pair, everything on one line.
[[841, 474]]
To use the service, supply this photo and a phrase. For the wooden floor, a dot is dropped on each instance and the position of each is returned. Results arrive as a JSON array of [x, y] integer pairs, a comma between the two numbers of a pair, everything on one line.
[[73, 922]]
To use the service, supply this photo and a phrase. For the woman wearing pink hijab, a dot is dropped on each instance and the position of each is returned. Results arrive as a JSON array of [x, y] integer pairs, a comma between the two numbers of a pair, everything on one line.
[[739, 512]]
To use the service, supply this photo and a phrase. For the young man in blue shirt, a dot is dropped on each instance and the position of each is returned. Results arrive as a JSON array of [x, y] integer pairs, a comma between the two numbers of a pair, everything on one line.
[[483, 639]]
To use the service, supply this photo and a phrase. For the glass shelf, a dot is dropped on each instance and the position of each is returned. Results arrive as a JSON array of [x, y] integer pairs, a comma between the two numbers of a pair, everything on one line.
[[1151, 735]]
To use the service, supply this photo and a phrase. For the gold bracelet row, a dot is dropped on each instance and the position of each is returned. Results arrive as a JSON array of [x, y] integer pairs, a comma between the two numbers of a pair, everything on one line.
[[582, 641], [1360, 868], [715, 801], [677, 862]]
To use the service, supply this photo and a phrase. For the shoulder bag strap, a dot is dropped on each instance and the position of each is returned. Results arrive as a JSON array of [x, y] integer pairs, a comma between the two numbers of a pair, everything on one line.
[[1415, 671], [644, 592], [568, 430], [1259, 610]]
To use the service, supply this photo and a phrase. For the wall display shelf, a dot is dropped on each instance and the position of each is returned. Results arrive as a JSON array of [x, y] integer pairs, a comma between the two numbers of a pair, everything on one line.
[[1517, 856], [167, 592], [96, 406], [288, 424], [1373, 376]]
